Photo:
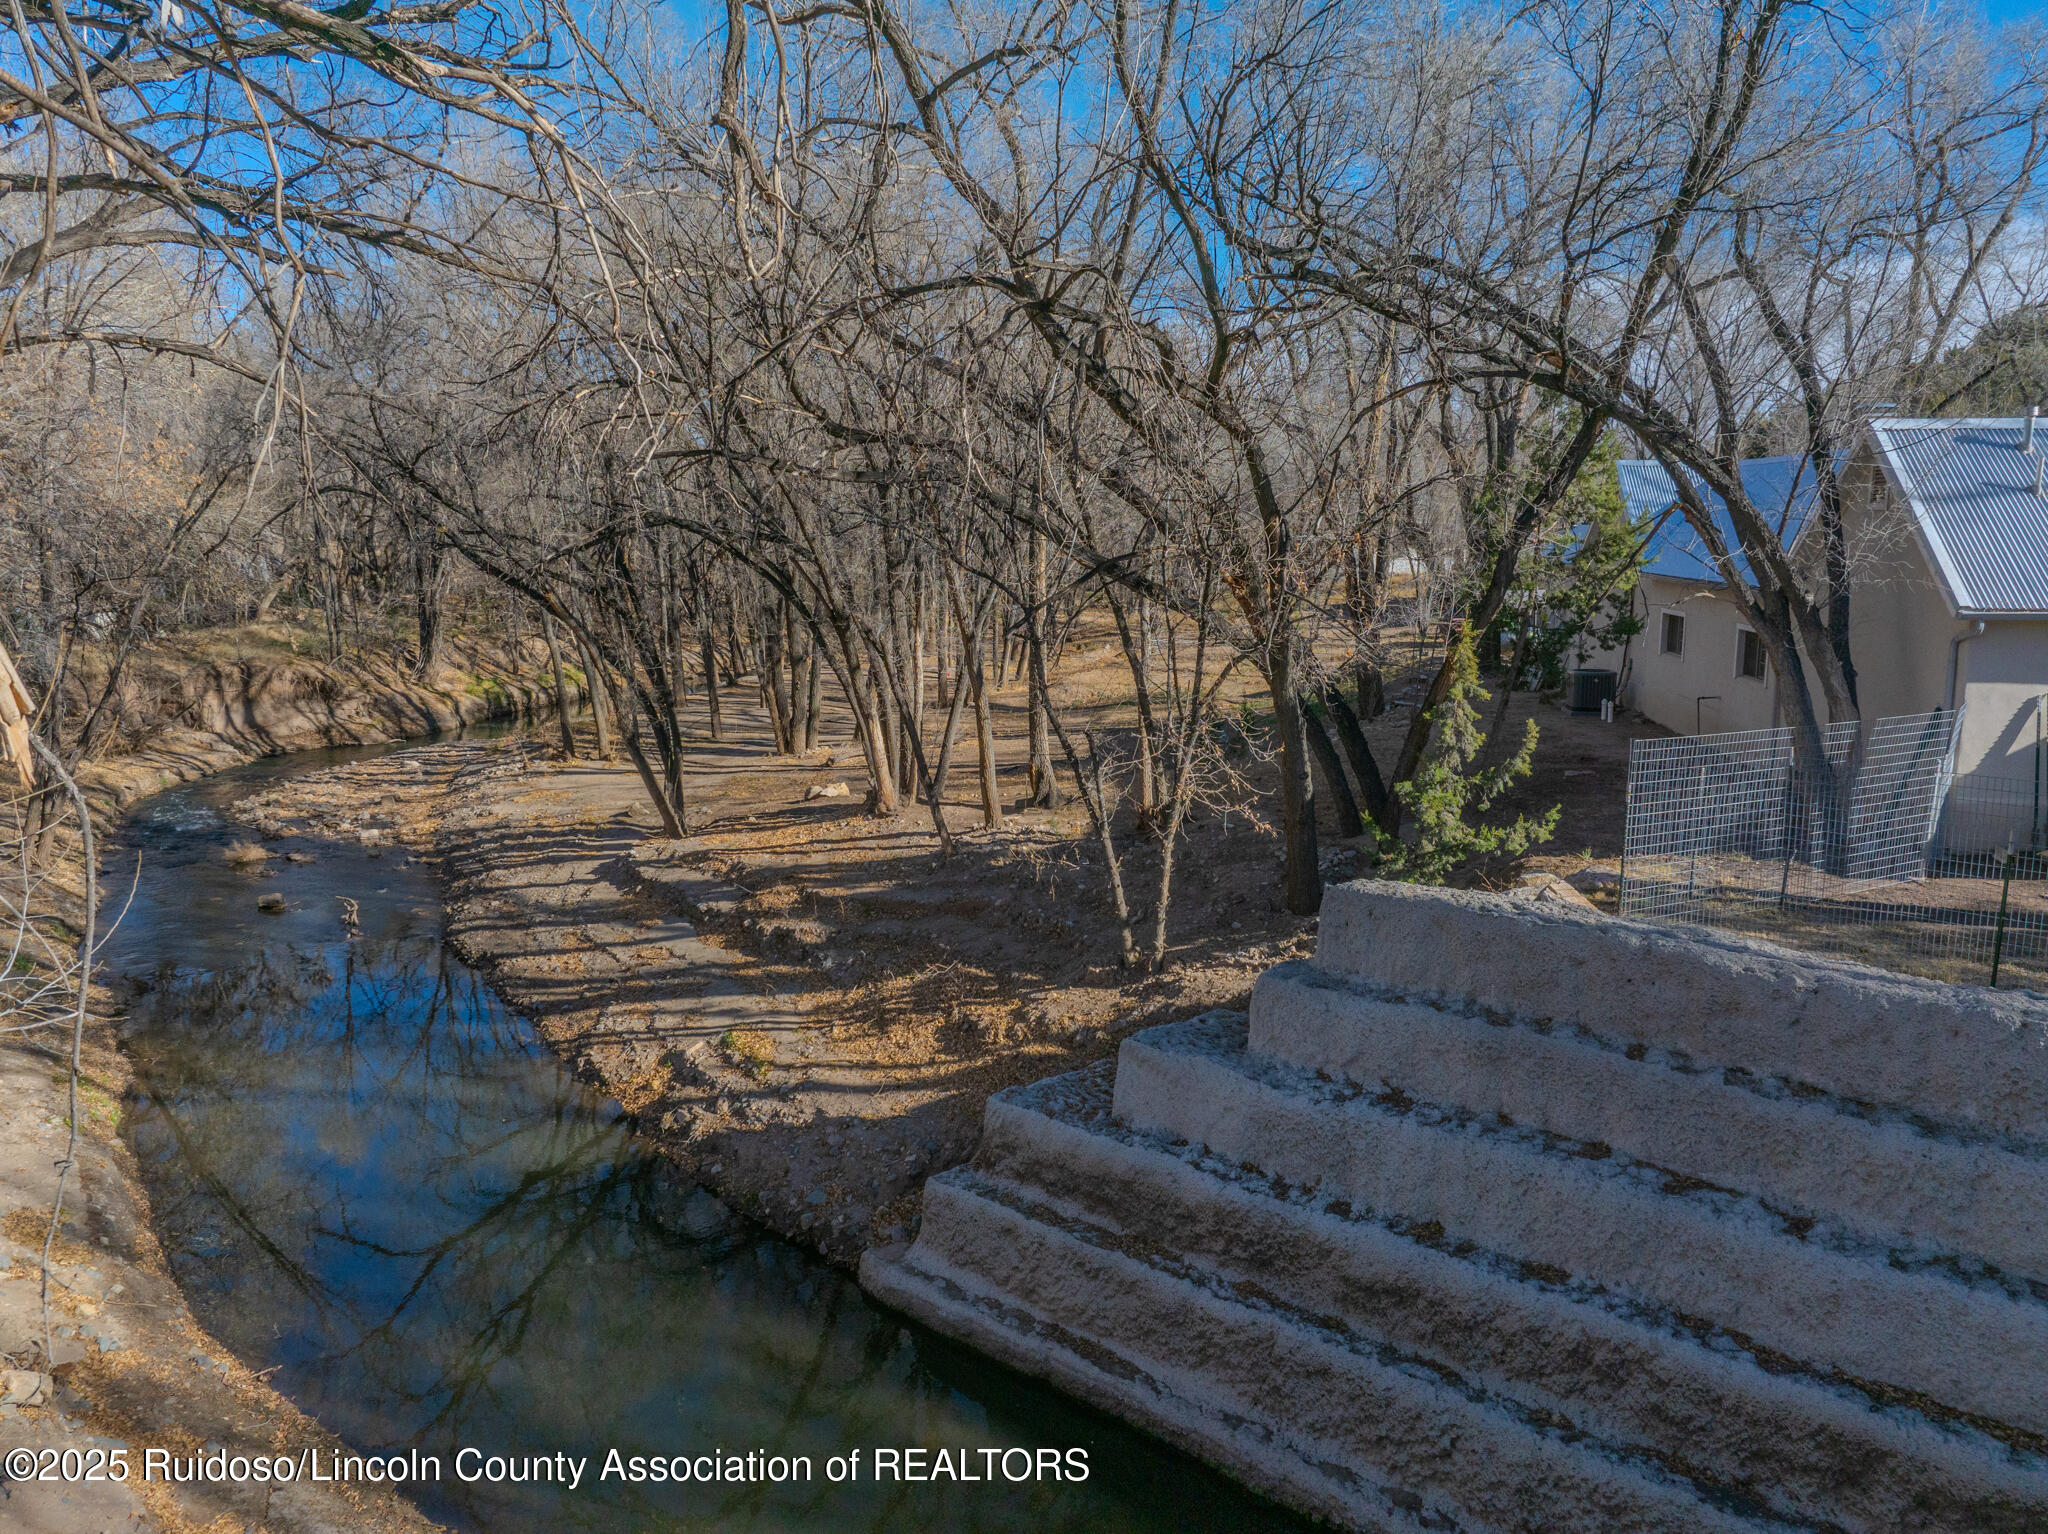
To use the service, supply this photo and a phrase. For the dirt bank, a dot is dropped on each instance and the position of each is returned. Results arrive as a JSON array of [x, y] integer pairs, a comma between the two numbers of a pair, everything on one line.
[[129, 1369], [126, 1366], [211, 714], [810, 1071]]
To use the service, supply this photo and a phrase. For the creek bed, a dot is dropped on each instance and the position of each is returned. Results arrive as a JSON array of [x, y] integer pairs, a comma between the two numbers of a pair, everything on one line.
[[374, 1182]]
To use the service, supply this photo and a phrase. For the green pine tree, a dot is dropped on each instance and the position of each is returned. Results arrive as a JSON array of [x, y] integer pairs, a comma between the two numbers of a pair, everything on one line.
[[1447, 793], [1574, 589]]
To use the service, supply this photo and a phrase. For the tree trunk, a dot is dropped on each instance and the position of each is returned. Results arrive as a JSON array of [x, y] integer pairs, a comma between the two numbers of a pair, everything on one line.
[[1141, 684], [898, 674], [914, 654], [1303, 876], [267, 599], [1176, 816], [607, 697], [1045, 784], [876, 746], [985, 739], [730, 657], [813, 694], [426, 570], [954, 710], [1045, 788], [803, 692], [670, 809], [674, 641], [547, 624], [598, 685], [775, 685], [1359, 750], [971, 681], [708, 652], [1372, 688], [887, 725], [1094, 793], [1349, 822]]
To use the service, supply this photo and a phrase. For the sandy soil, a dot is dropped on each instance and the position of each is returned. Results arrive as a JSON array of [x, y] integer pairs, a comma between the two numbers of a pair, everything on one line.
[[807, 1005]]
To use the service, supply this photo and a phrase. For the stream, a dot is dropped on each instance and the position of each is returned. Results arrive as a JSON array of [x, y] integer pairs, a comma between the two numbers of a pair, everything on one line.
[[372, 1180]]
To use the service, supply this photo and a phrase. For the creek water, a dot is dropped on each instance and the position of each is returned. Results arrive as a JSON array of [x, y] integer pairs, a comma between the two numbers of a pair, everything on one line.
[[371, 1179]]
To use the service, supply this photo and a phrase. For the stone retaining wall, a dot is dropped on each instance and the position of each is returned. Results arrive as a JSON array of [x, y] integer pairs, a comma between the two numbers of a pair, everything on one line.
[[1501, 1217]]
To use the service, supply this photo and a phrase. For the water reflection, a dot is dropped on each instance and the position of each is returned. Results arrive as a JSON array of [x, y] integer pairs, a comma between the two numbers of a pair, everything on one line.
[[369, 1175]]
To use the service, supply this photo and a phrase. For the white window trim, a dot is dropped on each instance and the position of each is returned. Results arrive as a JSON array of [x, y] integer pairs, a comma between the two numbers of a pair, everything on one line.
[[1680, 615], [1740, 674]]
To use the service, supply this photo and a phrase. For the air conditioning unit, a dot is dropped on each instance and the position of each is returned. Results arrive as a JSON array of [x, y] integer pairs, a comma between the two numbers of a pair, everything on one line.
[[1588, 689]]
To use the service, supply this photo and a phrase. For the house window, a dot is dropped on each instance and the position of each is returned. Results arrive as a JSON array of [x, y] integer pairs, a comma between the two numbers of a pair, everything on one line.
[[1749, 654], [1674, 634]]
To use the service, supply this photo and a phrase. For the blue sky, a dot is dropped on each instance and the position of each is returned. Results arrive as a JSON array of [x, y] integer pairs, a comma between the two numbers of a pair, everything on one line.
[[2017, 10]]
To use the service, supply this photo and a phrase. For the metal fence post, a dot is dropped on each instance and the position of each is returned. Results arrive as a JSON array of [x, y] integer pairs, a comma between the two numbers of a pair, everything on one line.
[[2004, 900], [1692, 862], [1628, 792], [2040, 767], [1791, 782]]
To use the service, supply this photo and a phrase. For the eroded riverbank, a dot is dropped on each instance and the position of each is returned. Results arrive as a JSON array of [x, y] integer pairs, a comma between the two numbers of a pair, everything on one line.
[[130, 1375], [121, 1369], [382, 1191], [124, 1365]]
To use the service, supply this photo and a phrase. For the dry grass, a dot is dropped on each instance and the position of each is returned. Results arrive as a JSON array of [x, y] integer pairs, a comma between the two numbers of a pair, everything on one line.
[[747, 1050], [246, 854], [30, 1226]]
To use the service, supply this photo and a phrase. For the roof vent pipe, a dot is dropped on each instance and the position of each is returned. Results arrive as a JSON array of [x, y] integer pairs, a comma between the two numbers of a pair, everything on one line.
[[2027, 444]]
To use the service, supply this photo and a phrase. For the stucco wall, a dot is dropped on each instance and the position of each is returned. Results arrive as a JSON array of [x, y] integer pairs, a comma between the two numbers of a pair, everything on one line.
[[2004, 672], [1900, 621], [1697, 691], [1902, 631]]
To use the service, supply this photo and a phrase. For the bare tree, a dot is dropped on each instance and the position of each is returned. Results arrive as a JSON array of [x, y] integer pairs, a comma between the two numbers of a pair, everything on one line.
[[1733, 232]]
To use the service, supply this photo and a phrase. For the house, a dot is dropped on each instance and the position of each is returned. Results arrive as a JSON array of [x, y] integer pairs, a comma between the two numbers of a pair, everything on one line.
[[1946, 525], [1698, 666]]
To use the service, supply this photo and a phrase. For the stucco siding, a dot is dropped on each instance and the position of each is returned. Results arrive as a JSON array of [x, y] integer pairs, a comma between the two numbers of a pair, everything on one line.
[[2004, 674], [1903, 626], [1900, 620], [1697, 690]]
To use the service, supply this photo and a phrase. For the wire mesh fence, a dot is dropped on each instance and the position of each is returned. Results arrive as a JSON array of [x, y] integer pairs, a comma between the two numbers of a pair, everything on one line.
[[1879, 853]]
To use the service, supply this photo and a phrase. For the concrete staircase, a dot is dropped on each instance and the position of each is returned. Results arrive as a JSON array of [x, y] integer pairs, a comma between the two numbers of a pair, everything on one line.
[[1494, 1218]]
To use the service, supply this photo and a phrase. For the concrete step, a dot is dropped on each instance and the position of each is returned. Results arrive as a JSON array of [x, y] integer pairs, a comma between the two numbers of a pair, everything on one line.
[[1753, 1428], [958, 1305], [1899, 1179], [1959, 1341], [1332, 1422], [1962, 1056]]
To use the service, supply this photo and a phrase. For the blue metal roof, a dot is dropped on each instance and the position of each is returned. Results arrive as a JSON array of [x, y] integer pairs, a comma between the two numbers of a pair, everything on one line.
[[1971, 486], [1781, 488]]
